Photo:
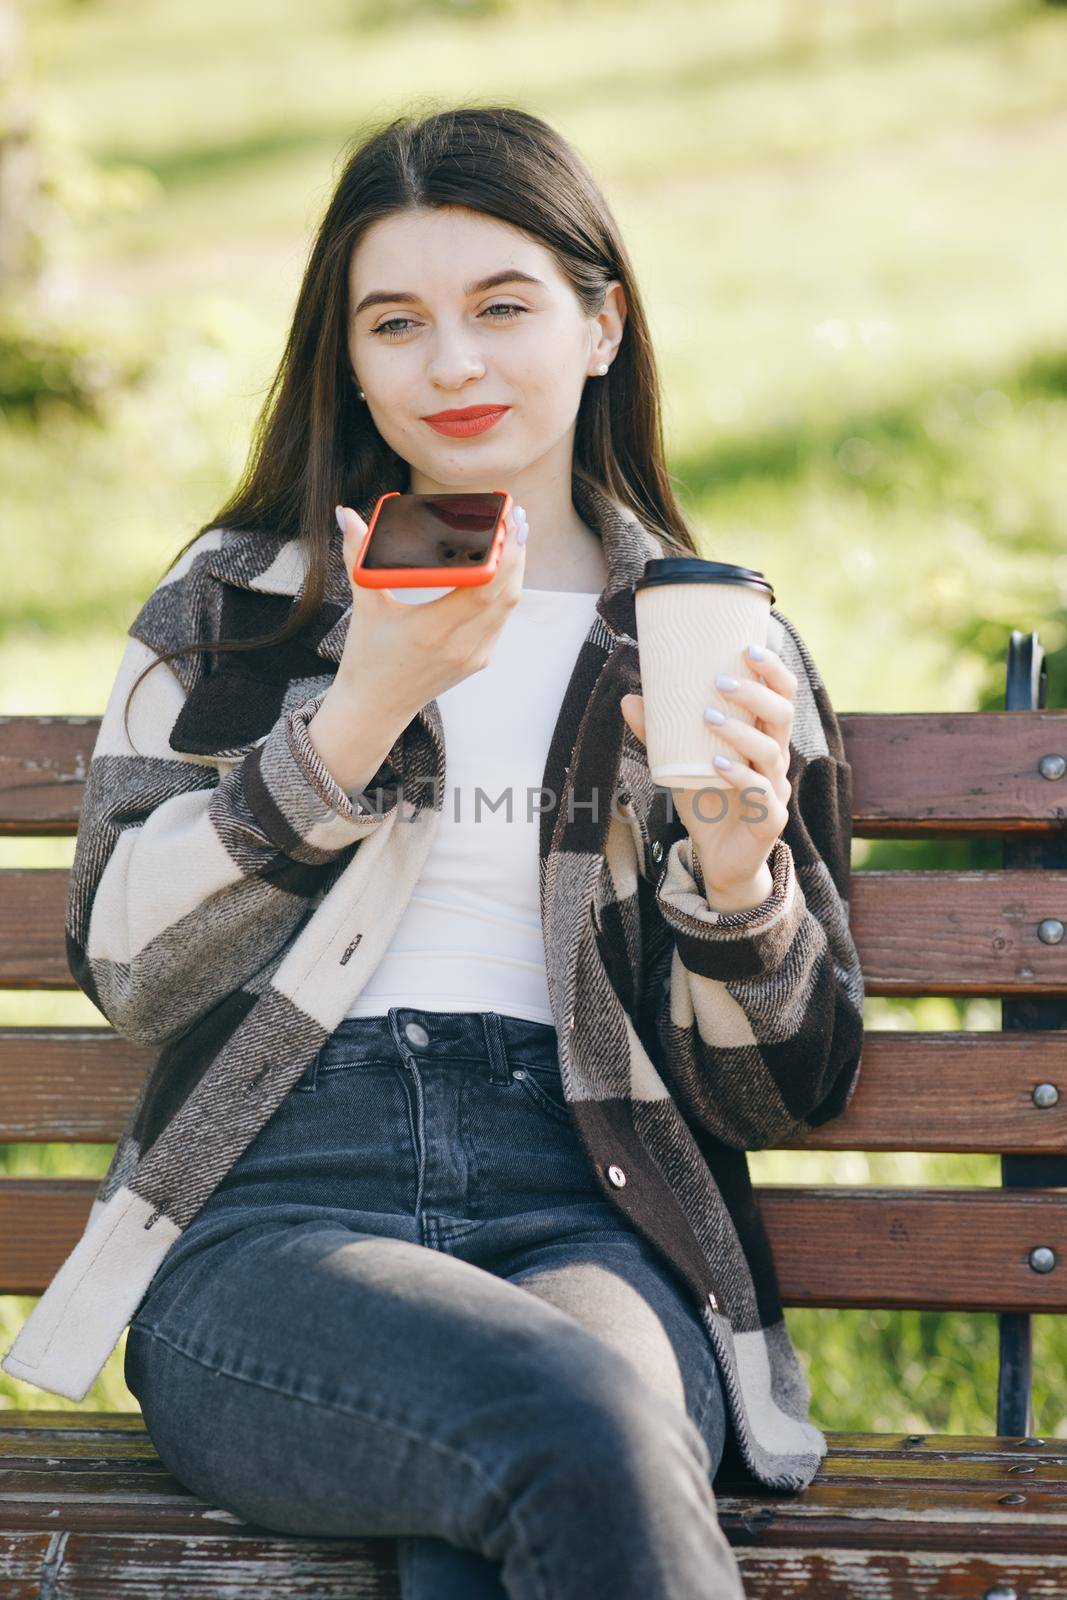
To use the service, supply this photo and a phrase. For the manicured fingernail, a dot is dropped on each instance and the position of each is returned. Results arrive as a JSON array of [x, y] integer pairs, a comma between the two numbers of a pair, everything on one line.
[[724, 681], [339, 514], [722, 763], [522, 533], [757, 653], [713, 714]]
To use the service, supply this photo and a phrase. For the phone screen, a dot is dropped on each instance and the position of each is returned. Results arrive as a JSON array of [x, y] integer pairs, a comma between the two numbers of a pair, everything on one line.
[[434, 530]]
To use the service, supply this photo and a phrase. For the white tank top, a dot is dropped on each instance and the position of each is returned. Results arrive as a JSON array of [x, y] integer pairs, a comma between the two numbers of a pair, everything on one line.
[[470, 937]]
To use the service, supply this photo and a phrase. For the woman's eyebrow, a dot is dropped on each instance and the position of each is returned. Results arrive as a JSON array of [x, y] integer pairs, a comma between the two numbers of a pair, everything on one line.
[[392, 296]]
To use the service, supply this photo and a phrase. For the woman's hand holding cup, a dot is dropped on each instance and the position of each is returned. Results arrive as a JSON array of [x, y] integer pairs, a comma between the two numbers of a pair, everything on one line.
[[733, 843]]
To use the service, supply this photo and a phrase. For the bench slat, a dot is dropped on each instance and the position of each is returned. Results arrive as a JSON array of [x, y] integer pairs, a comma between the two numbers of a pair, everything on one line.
[[917, 933], [952, 1093], [67, 1084], [958, 933], [893, 1514], [94, 1549], [913, 772], [841, 1246], [921, 771], [43, 765], [120, 1436], [785, 1552], [923, 1249], [944, 1092]]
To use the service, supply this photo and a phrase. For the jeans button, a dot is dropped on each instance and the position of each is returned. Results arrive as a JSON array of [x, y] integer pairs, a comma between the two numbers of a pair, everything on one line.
[[417, 1033], [617, 1176]]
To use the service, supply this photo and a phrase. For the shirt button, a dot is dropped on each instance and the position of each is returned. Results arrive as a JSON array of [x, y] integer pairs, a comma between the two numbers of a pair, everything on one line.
[[657, 851], [712, 1302], [623, 797], [617, 1176], [417, 1033]]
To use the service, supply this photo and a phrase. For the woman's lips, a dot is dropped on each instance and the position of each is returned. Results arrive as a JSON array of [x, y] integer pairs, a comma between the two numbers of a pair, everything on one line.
[[461, 427]]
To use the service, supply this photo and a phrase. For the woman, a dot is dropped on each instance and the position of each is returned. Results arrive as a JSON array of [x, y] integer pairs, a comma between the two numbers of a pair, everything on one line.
[[433, 1217]]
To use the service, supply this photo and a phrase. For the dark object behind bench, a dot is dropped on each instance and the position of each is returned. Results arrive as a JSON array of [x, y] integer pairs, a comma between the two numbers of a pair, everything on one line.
[[85, 1504]]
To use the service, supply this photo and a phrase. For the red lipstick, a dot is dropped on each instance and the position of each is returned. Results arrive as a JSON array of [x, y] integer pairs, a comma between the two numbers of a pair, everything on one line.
[[468, 420]]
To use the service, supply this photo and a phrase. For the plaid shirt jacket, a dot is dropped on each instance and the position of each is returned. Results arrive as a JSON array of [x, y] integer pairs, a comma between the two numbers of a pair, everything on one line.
[[228, 900]]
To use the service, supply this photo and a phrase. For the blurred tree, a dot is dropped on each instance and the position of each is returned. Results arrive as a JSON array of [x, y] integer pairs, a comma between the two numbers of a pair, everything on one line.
[[20, 178], [49, 187]]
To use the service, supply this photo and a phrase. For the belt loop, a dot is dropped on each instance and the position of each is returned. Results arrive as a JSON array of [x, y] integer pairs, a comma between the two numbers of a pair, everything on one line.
[[495, 1049], [310, 1076], [392, 1021]]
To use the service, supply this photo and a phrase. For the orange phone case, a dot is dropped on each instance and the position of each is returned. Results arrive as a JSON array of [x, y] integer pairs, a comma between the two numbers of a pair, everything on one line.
[[430, 577]]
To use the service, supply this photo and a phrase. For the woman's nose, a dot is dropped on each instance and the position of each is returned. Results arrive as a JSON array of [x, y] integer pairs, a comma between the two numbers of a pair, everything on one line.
[[454, 362]]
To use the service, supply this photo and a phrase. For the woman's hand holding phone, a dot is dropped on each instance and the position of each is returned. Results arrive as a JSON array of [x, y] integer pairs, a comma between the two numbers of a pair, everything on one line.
[[398, 656], [404, 654]]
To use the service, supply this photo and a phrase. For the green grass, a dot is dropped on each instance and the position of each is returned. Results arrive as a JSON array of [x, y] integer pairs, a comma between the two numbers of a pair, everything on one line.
[[850, 239]]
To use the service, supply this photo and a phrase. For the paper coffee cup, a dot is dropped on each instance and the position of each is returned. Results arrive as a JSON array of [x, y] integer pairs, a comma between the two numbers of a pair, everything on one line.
[[694, 619]]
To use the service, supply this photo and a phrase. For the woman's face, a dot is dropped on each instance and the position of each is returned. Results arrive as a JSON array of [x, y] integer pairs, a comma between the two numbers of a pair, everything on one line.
[[432, 346]]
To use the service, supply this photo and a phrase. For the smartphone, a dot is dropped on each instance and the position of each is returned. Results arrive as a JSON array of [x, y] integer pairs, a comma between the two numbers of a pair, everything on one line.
[[430, 540]]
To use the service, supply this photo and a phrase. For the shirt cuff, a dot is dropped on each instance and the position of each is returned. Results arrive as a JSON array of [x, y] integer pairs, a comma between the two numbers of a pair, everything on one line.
[[745, 943], [298, 802]]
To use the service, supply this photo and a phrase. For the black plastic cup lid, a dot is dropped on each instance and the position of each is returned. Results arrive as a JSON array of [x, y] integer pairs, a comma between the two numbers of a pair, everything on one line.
[[692, 569]]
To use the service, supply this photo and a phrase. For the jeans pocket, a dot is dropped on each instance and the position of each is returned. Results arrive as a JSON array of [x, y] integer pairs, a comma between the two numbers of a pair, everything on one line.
[[543, 1083], [330, 1066]]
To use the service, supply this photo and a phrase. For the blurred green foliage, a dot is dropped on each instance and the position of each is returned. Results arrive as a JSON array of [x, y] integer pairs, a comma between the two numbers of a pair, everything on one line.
[[848, 226], [44, 361]]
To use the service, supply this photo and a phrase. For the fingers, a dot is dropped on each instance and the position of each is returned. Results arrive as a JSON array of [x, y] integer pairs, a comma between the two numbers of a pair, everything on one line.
[[763, 752], [772, 701], [352, 527], [355, 531], [350, 521], [766, 748], [515, 540], [506, 581], [762, 756], [771, 707], [512, 563], [774, 671], [776, 791], [632, 707]]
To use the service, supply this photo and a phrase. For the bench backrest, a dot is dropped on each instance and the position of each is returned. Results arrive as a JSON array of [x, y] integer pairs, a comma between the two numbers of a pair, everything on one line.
[[997, 932]]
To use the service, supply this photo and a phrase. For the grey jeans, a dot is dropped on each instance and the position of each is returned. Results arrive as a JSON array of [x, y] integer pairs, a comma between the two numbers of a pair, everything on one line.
[[408, 1310]]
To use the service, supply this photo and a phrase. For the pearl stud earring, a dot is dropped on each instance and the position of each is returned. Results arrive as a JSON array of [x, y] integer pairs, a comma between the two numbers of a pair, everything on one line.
[[603, 367], [362, 396]]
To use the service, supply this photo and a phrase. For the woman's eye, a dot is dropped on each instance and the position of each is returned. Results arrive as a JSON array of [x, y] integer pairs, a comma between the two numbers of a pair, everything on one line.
[[391, 332]]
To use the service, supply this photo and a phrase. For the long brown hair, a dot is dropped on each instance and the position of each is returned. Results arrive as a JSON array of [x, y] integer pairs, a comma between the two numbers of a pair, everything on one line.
[[314, 444]]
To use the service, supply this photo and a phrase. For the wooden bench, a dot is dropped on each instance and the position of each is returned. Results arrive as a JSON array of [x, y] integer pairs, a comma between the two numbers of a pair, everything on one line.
[[85, 1504]]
